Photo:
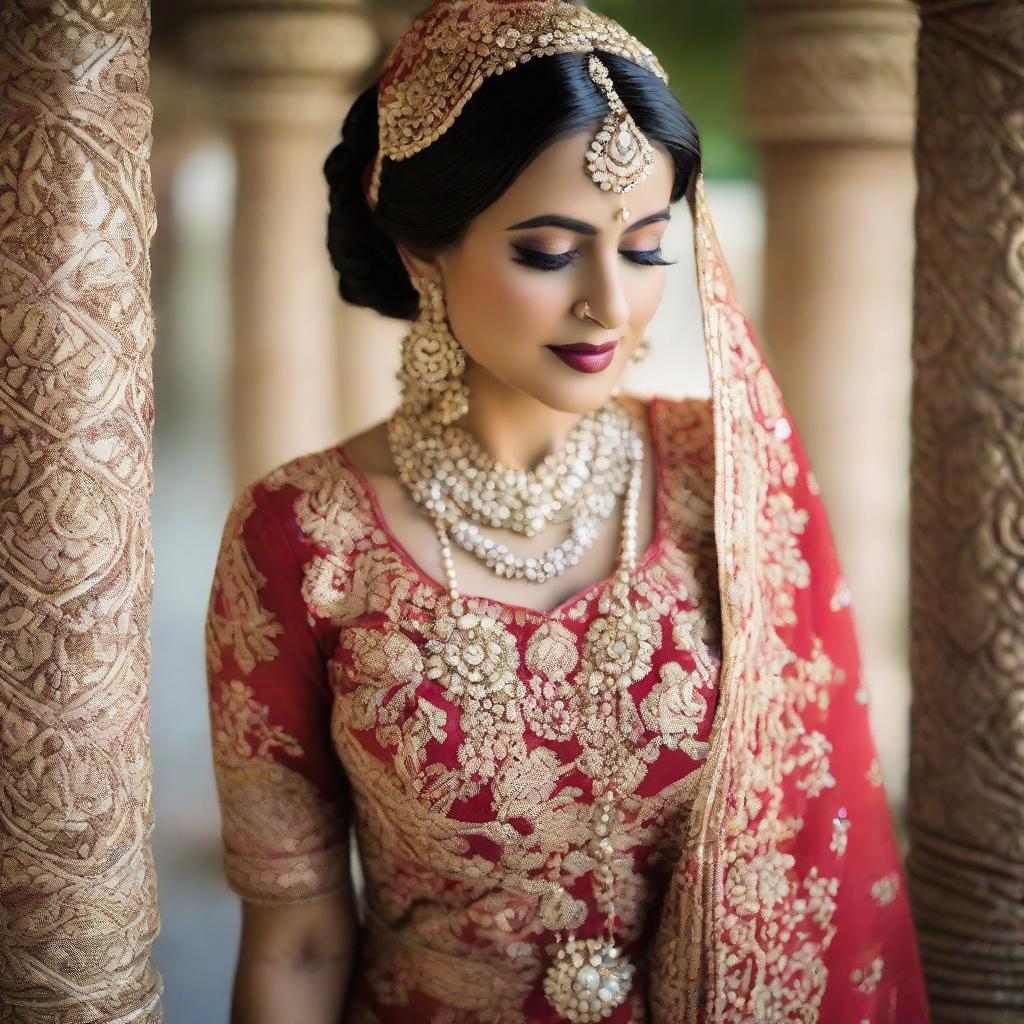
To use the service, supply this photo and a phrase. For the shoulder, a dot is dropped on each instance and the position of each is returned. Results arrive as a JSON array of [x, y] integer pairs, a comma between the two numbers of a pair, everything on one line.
[[307, 497]]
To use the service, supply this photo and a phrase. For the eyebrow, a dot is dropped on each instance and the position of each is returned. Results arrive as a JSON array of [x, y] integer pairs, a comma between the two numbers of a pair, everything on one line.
[[581, 227]]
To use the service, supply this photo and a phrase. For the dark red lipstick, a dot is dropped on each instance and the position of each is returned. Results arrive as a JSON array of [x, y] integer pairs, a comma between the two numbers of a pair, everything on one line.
[[586, 358]]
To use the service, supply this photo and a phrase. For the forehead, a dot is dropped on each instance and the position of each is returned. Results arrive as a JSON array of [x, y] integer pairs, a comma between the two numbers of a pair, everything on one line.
[[557, 181]]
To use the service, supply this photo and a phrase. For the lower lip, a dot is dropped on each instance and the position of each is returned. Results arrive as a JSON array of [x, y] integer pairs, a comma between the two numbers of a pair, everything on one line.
[[587, 362]]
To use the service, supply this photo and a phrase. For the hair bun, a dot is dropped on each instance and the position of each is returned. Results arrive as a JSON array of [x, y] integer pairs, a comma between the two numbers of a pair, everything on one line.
[[370, 270]]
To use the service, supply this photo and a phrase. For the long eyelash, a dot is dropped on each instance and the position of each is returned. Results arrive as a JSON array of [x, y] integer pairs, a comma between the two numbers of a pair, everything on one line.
[[649, 258], [545, 260], [549, 261]]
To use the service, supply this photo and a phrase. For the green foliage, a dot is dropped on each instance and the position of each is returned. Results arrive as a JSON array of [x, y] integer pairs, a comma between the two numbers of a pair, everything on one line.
[[698, 43]]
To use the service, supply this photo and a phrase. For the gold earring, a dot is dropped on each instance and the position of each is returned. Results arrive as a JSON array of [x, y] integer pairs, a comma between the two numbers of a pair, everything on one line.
[[641, 351], [433, 361]]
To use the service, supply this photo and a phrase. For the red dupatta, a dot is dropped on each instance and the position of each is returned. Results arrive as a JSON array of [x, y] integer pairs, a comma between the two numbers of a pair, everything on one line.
[[789, 902]]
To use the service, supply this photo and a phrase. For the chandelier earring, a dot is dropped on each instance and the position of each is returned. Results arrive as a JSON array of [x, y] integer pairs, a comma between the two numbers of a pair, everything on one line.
[[433, 361]]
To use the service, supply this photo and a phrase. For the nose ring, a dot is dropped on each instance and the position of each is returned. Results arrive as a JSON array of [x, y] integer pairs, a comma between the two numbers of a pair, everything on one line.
[[582, 311]]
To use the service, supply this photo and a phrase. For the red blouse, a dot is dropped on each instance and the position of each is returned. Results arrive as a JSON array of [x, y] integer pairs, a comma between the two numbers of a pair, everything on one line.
[[472, 818]]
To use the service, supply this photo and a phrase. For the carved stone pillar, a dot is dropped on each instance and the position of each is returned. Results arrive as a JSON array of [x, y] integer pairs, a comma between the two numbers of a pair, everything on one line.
[[78, 910], [966, 812], [282, 77], [830, 102]]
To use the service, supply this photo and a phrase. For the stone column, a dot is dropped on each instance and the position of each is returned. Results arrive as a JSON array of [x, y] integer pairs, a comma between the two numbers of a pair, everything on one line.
[[282, 76], [830, 103], [966, 812], [78, 902]]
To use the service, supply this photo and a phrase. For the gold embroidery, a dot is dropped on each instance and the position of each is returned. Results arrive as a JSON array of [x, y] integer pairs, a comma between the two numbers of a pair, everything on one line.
[[469, 774], [675, 709], [737, 960], [885, 889], [423, 89], [551, 708], [235, 616], [866, 979], [267, 806]]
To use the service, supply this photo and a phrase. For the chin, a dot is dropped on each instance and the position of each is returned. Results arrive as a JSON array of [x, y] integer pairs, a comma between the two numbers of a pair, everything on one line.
[[586, 396]]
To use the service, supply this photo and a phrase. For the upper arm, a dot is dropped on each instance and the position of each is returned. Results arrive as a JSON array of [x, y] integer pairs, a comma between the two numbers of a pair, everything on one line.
[[281, 787]]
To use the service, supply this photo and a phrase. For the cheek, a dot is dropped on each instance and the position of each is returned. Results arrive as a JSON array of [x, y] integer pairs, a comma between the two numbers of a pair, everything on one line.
[[494, 303], [645, 297]]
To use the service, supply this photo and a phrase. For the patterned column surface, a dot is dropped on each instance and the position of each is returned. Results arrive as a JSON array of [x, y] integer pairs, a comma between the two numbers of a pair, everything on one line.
[[78, 909], [831, 72], [966, 810]]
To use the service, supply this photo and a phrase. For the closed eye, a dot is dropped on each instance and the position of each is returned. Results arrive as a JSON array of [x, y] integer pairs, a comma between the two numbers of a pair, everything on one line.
[[537, 260]]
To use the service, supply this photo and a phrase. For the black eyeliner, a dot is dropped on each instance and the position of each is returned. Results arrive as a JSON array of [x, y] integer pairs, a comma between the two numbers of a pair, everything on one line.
[[537, 260]]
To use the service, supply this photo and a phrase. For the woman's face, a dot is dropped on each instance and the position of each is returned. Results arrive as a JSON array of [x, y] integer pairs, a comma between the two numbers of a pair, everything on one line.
[[511, 285]]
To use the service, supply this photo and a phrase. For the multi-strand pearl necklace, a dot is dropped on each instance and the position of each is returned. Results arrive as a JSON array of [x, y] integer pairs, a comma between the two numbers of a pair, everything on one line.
[[446, 471]]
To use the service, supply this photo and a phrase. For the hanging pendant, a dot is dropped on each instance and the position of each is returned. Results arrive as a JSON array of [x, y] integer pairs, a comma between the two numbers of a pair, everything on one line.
[[588, 979], [620, 157]]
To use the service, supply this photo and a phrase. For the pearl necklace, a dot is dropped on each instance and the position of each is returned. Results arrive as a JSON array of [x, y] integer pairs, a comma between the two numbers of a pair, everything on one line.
[[446, 471], [591, 469], [587, 978]]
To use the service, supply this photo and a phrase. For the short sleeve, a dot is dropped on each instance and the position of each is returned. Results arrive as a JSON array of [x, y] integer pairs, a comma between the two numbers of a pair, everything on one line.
[[281, 787]]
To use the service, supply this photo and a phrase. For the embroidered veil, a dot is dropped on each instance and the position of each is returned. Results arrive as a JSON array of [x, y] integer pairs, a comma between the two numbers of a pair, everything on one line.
[[789, 896]]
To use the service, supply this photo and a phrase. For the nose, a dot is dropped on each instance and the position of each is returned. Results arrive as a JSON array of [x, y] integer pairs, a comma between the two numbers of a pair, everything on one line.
[[607, 299]]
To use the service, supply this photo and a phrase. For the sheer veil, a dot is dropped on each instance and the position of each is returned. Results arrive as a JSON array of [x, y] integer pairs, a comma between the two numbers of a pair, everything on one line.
[[789, 900]]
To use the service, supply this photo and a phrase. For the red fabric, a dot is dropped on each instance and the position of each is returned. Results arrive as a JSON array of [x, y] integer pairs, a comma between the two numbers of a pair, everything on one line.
[[324, 716]]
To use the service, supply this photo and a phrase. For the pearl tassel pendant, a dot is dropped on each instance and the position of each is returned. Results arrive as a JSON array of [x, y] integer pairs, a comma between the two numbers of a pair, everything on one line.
[[588, 979]]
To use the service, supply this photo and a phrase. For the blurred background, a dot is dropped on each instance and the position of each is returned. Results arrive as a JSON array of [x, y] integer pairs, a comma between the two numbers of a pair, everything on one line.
[[806, 120]]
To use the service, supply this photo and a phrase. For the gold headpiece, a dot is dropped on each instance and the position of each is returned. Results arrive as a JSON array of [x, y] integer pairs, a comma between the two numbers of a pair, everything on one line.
[[455, 45]]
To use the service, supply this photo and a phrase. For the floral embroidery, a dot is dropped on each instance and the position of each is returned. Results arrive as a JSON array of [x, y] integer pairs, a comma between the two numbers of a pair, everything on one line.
[[475, 658], [278, 831], [236, 619], [620, 650], [551, 708], [675, 708], [885, 889], [840, 826], [866, 979]]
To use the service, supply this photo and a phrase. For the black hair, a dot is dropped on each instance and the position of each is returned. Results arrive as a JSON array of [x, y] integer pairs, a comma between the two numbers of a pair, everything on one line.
[[428, 200]]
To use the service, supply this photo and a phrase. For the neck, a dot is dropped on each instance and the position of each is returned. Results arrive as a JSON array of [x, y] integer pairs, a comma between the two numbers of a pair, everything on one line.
[[516, 430]]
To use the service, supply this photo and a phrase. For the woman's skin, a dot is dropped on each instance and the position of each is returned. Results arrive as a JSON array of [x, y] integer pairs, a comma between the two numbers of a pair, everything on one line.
[[295, 961]]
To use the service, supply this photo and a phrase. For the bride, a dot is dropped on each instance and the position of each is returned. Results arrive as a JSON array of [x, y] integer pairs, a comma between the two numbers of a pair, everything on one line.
[[579, 666]]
